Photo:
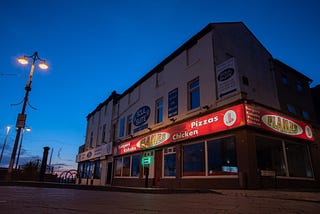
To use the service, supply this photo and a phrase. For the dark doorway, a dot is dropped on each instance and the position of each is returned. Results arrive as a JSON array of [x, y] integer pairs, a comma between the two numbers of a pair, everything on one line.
[[158, 168], [109, 173]]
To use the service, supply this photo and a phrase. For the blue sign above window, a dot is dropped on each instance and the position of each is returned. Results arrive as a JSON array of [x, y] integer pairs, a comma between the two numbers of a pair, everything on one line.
[[141, 116]]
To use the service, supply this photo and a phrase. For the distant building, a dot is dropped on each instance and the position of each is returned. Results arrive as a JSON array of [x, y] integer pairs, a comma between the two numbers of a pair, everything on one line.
[[219, 112]]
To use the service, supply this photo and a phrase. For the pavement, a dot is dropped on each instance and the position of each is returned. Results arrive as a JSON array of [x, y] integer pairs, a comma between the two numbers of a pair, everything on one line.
[[39, 197]]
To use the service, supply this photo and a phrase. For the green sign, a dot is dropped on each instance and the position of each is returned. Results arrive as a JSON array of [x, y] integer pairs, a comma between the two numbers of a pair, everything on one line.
[[146, 160]]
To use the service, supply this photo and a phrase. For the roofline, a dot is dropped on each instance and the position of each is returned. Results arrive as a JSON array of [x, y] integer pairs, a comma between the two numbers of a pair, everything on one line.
[[293, 70]]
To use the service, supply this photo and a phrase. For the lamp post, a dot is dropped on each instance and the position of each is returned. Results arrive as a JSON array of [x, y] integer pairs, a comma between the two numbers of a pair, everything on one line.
[[5, 141], [22, 116], [22, 130]]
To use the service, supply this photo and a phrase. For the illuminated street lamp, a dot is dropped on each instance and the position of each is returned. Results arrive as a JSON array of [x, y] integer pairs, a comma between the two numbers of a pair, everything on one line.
[[5, 141], [28, 129], [21, 120]]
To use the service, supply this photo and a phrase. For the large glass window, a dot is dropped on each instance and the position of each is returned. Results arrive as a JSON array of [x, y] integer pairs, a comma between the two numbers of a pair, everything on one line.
[[159, 110], [298, 160], [194, 94], [126, 166], [194, 159], [270, 155], [135, 169], [222, 159], [169, 161]]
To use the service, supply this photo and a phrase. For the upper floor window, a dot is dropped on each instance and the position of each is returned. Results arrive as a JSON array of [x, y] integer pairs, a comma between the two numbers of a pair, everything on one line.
[[299, 86], [291, 109], [103, 133], [159, 110], [129, 124], [305, 114], [121, 130], [91, 139], [284, 78], [193, 94]]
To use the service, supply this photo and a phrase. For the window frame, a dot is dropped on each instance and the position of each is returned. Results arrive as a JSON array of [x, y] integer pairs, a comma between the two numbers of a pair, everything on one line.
[[191, 91], [159, 107]]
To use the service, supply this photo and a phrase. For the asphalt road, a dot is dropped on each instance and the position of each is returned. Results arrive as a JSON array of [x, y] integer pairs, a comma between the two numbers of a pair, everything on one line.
[[33, 200]]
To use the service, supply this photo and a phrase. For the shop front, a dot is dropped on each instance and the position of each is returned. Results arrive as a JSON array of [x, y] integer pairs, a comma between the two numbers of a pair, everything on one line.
[[95, 166], [243, 146]]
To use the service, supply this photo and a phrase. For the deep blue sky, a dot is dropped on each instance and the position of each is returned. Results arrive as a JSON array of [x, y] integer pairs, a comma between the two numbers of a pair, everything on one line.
[[94, 47]]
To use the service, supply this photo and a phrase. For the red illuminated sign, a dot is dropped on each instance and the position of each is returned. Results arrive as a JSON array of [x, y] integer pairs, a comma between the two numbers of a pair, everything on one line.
[[262, 118], [222, 120]]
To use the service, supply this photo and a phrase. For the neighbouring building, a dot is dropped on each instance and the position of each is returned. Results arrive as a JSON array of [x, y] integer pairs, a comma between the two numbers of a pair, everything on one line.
[[219, 112]]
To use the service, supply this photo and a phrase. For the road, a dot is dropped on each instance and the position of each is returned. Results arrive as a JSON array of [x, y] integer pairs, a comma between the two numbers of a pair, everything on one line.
[[17, 199]]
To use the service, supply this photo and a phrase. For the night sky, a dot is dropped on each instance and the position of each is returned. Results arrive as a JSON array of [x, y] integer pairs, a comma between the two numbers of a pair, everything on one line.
[[96, 46]]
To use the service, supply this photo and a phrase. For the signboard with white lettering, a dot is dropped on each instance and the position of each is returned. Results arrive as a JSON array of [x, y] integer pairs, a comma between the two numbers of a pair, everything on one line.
[[222, 120], [173, 103], [100, 151], [227, 78]]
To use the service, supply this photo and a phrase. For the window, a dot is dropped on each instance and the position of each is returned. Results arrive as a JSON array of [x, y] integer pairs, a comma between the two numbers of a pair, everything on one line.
[[97, 169], [194, 159], [173, 103], [298, 160], [118, 166], [222, 158], [305, 114], [299, 86], [291, 109], [159, 110], [270, 155], [103, 133], [91, 139], [169, 161], [126, 166], [135, 169], [122, 122], [129, 124], [194, 94], [284, 78]]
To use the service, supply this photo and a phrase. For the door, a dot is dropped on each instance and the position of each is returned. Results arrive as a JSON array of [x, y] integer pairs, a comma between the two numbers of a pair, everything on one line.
[[158, 167], [109, 173]]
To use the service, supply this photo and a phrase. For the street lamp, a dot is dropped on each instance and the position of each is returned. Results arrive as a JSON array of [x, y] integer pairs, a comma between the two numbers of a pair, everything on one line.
[[28, 129], [21, 120], [5, 141]]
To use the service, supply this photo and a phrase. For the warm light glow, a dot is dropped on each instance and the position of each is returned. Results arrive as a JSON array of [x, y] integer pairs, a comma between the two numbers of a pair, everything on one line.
[[28, 129], [43, 65], [23, 60]]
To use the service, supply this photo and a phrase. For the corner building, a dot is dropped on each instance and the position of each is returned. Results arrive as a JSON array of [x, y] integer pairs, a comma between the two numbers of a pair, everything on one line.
[[210, 115]]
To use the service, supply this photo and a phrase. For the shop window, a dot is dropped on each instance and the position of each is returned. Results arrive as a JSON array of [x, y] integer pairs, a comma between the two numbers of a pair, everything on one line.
[[270, 155], [97, 169], [222, 158], [118, 166], [159, 110], [135, 169], [169, 161], [298, 160], [126, 166], [193, 94], [194, 159]]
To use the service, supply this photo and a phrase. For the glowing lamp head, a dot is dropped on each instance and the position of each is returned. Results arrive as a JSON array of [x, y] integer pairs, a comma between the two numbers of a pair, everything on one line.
[[23, 60], [43, 65], [28, 129]]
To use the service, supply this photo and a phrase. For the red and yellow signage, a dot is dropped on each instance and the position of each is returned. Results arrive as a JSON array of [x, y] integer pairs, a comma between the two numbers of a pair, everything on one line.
[[229, 118], [222, 120], [262, 118]]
